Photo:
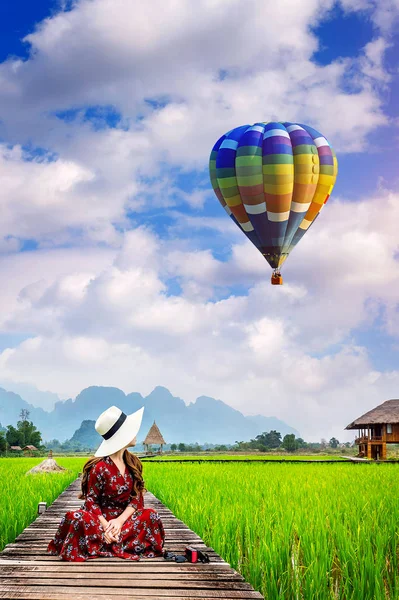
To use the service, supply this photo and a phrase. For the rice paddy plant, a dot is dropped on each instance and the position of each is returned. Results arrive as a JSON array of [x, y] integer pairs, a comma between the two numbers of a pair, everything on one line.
[[236, 456], [21, 493], [293, 531], [320, 531]]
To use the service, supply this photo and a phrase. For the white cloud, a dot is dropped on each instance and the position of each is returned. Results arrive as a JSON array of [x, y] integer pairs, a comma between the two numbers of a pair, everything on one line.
[[384, 13], [108, 320], [209, 68], [373, 61]]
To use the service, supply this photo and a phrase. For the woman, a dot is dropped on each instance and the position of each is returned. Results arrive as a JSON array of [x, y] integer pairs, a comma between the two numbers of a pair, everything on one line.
[[113, 520]]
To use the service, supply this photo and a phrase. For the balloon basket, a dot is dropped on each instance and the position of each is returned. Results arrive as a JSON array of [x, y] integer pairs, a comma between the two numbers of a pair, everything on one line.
[[277, 279]]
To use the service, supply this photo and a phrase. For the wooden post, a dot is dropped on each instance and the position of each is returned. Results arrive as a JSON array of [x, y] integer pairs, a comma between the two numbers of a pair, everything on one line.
[[41, 507], [383, 451], [369, 450]]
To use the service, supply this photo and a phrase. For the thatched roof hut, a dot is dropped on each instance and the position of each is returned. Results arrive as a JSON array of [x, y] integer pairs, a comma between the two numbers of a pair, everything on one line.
[[154, 436], [16, 448], [377, 428], [29, 450], [387, 412]]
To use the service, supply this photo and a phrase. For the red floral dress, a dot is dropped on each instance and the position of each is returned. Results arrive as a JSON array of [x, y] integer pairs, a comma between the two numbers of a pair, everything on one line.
[[80, 535]]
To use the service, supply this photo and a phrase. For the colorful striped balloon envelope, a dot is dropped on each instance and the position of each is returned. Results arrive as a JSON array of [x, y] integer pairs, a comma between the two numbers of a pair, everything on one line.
[[273, 180]]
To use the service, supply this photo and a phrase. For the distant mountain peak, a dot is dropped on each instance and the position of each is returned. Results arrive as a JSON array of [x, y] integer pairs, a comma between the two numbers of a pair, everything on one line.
[[160, 389], [205, 399], [87, 392], [206, 419]]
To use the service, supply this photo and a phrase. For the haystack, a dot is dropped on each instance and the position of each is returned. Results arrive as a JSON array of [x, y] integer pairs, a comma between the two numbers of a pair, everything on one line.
[[48, 465]]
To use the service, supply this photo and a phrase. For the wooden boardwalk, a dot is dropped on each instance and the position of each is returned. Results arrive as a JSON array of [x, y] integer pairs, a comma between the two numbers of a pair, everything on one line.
[[27, 571]]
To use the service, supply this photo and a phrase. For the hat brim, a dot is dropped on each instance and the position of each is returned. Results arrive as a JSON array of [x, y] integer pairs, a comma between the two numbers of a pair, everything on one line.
[[123, 436]]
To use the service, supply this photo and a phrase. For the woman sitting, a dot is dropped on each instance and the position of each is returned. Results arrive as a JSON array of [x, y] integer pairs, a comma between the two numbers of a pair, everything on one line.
[[113, 520]]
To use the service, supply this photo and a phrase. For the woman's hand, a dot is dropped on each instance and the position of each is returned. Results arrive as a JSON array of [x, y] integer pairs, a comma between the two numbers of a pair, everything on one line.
[[114, 527], [103, 521], [109, 538]]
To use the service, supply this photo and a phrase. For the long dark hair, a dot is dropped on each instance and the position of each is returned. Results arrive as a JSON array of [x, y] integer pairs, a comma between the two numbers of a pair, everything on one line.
[[133, 463]]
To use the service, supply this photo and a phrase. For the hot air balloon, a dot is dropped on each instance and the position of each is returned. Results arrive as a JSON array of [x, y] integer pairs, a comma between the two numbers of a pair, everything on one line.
[[273, 179]]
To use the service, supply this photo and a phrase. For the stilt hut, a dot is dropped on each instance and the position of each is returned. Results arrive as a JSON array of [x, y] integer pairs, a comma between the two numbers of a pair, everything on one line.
[[15, 448], [154, 437], [377, 428]]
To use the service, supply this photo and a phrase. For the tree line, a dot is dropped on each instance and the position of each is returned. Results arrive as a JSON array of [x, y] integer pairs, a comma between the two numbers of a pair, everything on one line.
[[273, 440], [24, 434], [264, 442]]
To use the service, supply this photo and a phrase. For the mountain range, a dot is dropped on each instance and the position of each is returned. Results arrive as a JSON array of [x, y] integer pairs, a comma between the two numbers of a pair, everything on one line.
[[206, 420]]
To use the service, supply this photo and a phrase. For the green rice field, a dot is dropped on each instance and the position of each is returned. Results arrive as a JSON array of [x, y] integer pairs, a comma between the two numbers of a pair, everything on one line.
[[294, 531], [21, 493], [246, 457]]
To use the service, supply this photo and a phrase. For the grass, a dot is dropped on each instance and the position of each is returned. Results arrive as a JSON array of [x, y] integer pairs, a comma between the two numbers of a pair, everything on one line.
[[294, 531], [20, 493], [261, 456]]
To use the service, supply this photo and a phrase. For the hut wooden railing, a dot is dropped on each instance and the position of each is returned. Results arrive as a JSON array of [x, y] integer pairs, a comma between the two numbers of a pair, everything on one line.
[[364, 439], [361, 440]]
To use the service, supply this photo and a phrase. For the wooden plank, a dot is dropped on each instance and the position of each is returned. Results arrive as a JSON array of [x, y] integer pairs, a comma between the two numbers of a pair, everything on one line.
[[41, 550], [28, 571], [128, 592], [34, 555], [114, 573], [102, 574], [80, 579], [145, 565], [120, 565]]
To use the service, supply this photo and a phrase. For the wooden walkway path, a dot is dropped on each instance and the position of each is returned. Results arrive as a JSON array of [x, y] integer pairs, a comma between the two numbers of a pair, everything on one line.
[[27, 571]]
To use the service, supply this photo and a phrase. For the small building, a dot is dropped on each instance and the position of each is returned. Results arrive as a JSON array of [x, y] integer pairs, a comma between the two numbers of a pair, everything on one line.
[[377, 428], [16, 448], [29, 450], [153, 437]]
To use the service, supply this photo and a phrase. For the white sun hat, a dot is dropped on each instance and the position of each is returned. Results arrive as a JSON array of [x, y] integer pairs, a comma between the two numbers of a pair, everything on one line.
[[117, 429]]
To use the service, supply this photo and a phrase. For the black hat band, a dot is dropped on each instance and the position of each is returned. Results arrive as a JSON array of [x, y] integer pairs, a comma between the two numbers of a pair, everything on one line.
[[117, 425]]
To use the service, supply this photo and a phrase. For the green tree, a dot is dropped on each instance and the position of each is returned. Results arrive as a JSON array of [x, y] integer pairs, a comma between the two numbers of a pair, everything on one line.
[[333, 443], [3, 443], [289, 442], [29, 433], [14, 436], [271, 439], [53, 444], [300, 443]]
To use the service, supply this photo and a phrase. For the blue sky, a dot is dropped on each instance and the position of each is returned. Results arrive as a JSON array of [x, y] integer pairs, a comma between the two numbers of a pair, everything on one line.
[[106, 128], [340, 35]]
